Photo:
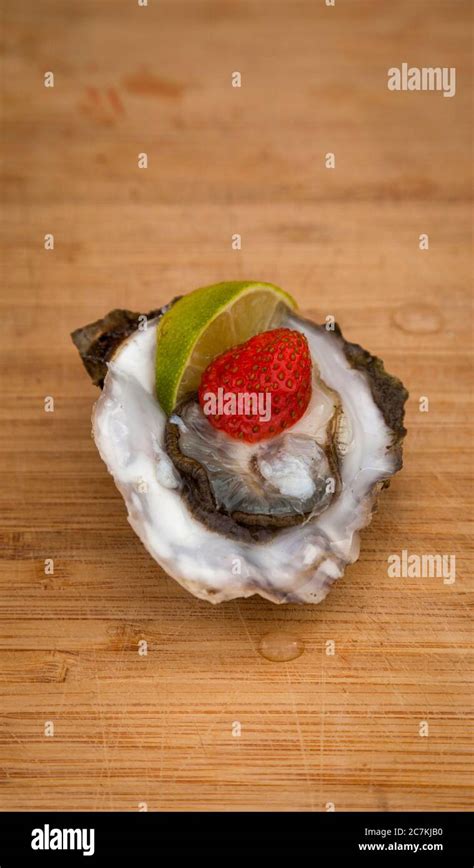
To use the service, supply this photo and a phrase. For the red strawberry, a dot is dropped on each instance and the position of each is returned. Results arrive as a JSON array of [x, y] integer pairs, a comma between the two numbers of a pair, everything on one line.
[[260, 388]]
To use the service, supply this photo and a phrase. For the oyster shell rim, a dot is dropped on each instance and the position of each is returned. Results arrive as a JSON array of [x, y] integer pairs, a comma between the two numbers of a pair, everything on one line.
[[98, 341]]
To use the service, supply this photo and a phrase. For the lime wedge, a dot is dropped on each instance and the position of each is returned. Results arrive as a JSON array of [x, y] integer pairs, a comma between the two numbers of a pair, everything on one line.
[[206, 322]]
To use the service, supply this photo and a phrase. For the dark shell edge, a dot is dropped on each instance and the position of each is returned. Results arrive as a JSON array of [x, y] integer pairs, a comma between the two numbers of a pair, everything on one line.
[[98, 341]]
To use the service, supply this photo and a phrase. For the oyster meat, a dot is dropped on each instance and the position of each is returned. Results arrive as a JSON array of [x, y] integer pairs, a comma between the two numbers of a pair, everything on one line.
[[279, 518]]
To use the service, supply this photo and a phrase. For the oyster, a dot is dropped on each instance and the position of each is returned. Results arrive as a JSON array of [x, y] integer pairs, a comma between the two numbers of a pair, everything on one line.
[[279, 518]]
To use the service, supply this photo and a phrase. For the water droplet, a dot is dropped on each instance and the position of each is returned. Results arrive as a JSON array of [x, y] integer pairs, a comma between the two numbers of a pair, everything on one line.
[[418, 319], [280, 647]]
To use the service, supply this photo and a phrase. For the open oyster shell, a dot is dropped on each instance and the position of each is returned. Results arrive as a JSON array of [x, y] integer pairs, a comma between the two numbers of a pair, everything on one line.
[[227, 519]]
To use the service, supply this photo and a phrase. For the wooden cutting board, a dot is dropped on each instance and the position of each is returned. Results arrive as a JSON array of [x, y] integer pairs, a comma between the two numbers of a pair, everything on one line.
[[382, 723]]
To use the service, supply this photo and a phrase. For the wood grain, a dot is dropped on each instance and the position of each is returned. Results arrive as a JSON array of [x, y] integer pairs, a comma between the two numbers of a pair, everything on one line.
[[340, 729]]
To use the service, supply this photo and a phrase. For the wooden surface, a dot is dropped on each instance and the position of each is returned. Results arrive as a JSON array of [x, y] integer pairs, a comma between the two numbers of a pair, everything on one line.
[[320, 729]]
